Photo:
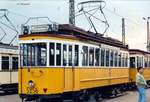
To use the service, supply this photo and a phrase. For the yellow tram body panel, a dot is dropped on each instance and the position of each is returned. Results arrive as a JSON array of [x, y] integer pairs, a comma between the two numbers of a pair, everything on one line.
[[50, 79], [49, 38], [147, 73], [133, 72], [94, 77], [119, 75], [59, 80]]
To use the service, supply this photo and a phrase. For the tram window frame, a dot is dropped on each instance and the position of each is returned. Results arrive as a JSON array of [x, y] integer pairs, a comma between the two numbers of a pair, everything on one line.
[[70, 55], [15, 63], [64, 54], [91, 56], [97, 57], [5, 64], [52, 54], [112, 58], [107, 58], [76, 55], [58, 54], [84, 55], [103, 57]]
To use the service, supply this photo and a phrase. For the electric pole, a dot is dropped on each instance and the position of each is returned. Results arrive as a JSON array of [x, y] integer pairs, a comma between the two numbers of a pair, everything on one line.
[[148, 35], [71, 12], [123, 31]]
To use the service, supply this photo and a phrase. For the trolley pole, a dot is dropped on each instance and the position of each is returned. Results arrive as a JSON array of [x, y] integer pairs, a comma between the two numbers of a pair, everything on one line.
[[148, 35], [123, 31], [71, 12]]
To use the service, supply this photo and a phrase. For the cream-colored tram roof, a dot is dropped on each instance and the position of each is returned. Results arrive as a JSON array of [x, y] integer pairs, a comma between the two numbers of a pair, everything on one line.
[[8, 49], [73, 33], [138, 52]]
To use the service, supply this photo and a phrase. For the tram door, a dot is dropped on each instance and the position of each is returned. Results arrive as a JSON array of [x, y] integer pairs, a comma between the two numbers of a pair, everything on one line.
[[132, 70], [132, 62], [68, 69]]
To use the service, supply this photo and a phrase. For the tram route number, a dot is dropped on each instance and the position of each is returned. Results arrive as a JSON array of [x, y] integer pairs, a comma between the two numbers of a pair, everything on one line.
[[32, 90]]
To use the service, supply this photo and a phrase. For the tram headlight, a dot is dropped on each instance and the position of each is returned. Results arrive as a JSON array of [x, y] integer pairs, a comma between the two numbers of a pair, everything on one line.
[[30, 83]]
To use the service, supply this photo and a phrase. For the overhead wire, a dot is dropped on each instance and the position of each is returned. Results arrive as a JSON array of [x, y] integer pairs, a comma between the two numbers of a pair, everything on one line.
[[100, 7], [12, 27], [130, 21]]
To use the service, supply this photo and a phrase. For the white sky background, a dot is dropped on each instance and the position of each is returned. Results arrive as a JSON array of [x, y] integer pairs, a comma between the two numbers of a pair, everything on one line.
[[58, 11]]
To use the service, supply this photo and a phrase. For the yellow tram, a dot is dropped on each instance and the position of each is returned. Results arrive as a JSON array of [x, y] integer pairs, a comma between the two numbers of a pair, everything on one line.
[[139, 58], [61, 59]]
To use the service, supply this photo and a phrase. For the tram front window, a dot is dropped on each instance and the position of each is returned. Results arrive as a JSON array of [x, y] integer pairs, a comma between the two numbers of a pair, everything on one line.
[[34, 54]]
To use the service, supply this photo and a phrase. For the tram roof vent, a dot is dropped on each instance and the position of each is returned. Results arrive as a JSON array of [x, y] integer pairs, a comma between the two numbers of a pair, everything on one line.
[[43, 28], [39, 25]]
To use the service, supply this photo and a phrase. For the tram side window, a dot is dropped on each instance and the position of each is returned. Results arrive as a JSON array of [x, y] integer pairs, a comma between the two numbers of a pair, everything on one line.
[[132, 62], [64, 55], [148, 61], [119, 56], [29, 55], [107, 57], [91, 56], [145, 61], [58, 54], [139, 61], [111, 58], [126, 61], [102, 57], [14, 62], [70, 55], [5, 63], [123, 60], [25, 55], [116, 59], [52, 54], [84, 56], [76, 55], [97, 54]]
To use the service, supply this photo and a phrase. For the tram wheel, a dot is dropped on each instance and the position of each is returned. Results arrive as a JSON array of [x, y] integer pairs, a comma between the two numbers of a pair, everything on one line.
[[98, 96]]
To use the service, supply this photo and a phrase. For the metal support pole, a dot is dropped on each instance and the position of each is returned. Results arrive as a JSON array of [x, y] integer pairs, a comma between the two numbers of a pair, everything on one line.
[[123, 31], [148, 37], [71, 12]]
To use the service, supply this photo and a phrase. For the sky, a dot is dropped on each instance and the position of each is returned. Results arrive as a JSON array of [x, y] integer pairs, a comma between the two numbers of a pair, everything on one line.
[[58, 11]]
